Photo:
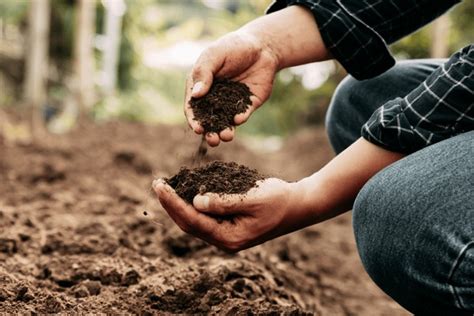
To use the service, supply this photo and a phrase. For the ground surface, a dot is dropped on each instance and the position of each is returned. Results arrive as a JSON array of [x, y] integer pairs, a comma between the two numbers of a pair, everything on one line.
[[73, 237]]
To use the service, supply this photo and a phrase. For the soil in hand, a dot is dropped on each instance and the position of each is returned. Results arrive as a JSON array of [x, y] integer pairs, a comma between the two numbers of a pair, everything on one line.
[[216, 110], [216, 177]]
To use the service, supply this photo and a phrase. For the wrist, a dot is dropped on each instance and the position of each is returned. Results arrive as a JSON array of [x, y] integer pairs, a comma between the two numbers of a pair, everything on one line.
[[310, 197], [291, 35], [262, 41], [302, 204]]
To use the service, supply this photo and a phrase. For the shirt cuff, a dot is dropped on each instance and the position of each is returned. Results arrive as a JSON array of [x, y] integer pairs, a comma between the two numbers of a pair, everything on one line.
[[440, 107], [392, 127], [386, 125], [358, 47]]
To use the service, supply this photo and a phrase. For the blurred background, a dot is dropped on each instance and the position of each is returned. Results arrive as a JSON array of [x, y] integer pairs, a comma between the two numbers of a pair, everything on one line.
[[63, 61]]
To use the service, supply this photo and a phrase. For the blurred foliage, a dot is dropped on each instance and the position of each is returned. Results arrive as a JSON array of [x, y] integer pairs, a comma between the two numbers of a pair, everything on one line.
[[61, 39], [13, 11], [127, 57], [461, 33], [291, 106], [148, 94]]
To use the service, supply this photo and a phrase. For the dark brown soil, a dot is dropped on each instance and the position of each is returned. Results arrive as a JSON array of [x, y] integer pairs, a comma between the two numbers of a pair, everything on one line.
[[216, 177], [74, 238], [216, 110]]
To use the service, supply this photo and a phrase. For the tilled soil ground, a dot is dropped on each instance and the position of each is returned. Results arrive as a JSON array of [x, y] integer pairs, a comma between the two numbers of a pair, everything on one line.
[[73, 237]]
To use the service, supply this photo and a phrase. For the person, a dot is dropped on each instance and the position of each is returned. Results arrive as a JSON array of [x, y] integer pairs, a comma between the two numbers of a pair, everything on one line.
[[404, 137]]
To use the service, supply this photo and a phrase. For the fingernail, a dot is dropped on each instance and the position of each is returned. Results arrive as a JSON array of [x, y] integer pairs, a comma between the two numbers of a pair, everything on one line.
[[201, 202], [197, 88], [155, 183]]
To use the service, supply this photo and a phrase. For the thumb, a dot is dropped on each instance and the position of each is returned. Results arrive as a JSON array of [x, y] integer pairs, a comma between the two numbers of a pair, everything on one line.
[[210, 61], [202, 80], [220, 204]]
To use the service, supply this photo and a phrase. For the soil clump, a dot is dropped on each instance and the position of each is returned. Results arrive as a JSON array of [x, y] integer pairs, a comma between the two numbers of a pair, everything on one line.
[[216, 110], [215, 177]]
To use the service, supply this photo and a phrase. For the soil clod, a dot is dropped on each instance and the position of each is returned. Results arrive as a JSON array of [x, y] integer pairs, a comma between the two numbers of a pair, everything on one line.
[[216, 110], [215, 177]]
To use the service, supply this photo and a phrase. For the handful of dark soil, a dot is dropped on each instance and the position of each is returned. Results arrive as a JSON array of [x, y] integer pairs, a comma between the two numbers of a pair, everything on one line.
[[216, 110], [216, 177]]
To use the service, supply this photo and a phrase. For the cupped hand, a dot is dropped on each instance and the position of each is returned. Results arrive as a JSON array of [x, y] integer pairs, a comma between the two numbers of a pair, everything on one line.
[[238, 56], [238, 221]]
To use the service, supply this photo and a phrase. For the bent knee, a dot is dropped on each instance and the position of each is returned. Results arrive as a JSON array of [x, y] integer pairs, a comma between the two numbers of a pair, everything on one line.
[[405, 247], [340, 119], [371, 226]]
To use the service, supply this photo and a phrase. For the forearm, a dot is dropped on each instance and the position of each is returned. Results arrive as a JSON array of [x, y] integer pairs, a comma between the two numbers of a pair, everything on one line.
[[332, 190], [291, 34]]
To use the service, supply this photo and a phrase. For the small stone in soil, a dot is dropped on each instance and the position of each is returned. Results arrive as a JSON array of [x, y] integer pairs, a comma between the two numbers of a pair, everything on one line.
[[93, 287]]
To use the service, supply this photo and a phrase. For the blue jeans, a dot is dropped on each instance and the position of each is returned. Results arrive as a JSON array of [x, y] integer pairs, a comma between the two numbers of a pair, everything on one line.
[[414, 220]]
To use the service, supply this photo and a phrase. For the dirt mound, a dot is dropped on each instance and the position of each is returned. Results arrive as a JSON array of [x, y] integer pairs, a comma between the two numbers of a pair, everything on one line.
[[216, 110], [73, 237], [215, 177]]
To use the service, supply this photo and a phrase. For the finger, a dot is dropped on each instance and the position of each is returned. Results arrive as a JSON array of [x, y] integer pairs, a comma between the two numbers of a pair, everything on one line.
[[227, 134], [183, 214], [188, 111], [193, 124], [203, 71], [221, 204], [212, 139], [243, 117]]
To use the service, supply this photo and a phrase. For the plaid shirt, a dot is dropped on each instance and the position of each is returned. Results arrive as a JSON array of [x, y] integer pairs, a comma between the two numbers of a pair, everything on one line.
[[357, 32]]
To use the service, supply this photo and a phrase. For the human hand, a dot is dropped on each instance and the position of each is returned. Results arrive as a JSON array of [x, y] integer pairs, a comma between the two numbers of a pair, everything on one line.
[[238, 56], [238, 221]]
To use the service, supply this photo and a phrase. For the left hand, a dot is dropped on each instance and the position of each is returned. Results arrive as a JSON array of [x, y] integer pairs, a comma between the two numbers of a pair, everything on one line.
[[237, 221]]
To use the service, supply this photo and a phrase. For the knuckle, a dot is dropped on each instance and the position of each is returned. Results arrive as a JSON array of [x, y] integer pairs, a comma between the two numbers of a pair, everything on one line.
[[232, 247], [184, 227], [198, 70], [227, 243], [191, 223], [232, 204], [217, 207], [208, 52]]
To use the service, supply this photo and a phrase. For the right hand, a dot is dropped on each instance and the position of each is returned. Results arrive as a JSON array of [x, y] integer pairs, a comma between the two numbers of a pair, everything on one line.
[[271, 209], [238, 56]]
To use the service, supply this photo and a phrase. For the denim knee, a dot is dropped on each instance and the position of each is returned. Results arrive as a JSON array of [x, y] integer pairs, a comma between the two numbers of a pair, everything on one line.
[[368, 224], [402, 249], [340, 103], [345, 115]]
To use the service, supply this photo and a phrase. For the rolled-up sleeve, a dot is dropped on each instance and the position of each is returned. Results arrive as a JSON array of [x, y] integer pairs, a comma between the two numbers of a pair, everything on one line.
[[357, 32], [440, 107]]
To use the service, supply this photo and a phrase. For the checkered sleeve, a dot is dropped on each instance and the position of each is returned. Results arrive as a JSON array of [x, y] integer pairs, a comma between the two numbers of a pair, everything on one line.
[[440, 107], [357, 31]]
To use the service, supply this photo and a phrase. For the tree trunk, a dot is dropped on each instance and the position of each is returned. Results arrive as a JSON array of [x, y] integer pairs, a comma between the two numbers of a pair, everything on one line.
[[37, 62], [440, 37], [114, 10], [84, 55]]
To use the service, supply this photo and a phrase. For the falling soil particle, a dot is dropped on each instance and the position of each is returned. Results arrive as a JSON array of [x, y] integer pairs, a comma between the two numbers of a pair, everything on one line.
[[201, 152], [216, 177], [216, 110]]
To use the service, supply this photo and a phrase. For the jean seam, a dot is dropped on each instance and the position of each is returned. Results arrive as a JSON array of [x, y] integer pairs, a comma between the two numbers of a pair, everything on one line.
[[457, 262]]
